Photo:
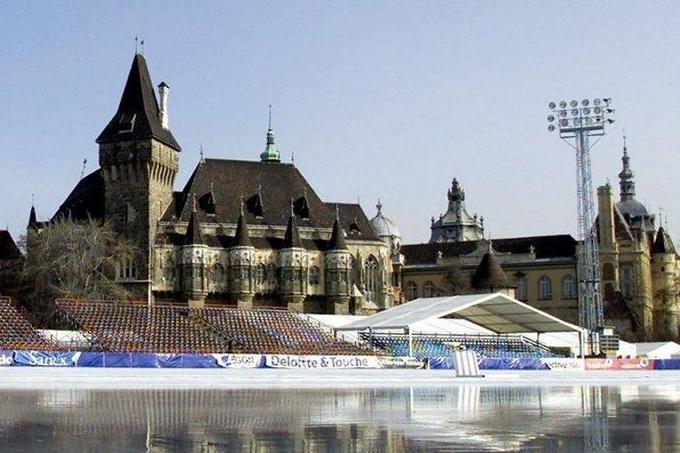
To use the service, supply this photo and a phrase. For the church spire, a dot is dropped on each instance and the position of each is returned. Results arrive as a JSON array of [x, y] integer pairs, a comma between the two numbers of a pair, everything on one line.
[[292, 236], [242, 238], [271, 152], [626, 181]]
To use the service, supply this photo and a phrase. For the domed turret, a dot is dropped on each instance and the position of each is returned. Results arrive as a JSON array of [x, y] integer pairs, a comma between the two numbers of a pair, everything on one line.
[[385, 229]]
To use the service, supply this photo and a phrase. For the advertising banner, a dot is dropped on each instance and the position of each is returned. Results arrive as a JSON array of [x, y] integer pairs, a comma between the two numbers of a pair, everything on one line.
[[667, 364], [90, 360], [36, 358], [6, 358], [503, 363], [139, 360], [321, 361], [440, 363], [557, 364], [116, 360], [619, 364], [186, 361], [239, 360]]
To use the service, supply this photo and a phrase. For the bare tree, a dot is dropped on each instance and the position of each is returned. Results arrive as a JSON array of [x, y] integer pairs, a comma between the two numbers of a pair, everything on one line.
[[68, 259]]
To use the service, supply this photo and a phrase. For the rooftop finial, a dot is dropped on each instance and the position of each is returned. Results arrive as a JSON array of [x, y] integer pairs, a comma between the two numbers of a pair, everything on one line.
[[82, 169], [202, 158], [337, 212], [379, 206], [292, 207], [626, 180], [241, 205], [271, 153], [270, 117]]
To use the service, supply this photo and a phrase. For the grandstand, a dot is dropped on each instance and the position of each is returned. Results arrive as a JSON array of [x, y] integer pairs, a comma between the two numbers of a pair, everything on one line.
[[16, 332], [426, 346], [135, 327]]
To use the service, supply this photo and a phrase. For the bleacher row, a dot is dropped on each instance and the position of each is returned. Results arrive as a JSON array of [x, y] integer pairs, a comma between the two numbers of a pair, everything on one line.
[[130, 327], [134, 327], [427, 346], [16, 332]]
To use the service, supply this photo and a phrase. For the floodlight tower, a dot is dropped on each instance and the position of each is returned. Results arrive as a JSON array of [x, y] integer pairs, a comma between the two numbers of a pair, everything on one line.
[[577, 126]]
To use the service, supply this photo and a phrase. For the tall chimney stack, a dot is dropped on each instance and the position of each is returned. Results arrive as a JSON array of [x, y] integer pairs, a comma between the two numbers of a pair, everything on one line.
[[163, 91]]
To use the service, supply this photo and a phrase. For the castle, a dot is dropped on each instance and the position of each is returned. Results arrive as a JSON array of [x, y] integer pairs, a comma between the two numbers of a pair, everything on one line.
[[239, 232]]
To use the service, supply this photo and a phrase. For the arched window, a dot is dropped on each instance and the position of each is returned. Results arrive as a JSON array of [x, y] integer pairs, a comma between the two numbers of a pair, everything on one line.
[[371, 278], [217, 273], [521, 289], [428, 289], [411, 290], [314, 275], [544, 288], [568, 287]]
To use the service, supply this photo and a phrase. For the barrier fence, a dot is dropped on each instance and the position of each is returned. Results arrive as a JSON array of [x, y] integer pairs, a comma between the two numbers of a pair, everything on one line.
[[142, 360]]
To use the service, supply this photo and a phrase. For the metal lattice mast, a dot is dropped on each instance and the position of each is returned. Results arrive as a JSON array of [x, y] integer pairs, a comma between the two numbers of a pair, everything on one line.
[[577, 125]]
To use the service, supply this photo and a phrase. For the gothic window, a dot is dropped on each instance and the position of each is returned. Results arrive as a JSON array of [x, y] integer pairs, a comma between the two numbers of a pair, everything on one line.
[[428, 289], [128, 270], [371, 278], [261, 274], [169, 271], [521, 289], [568, 287], [544, 288], [314, 276], [218, 273], [411, 290], [627, 282]]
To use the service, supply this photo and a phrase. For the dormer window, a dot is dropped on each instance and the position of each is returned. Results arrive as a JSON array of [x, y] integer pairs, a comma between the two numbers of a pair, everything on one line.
[[127, 122], [301, 207], [354, 229], [255, 206], [207, 203]]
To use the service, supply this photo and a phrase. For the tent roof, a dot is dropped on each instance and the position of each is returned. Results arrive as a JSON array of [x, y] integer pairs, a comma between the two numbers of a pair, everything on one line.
[[496, 312]]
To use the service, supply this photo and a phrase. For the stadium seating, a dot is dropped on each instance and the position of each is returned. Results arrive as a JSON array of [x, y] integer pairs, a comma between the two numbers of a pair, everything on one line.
[[16, 332], [134, 327], [425, 346]]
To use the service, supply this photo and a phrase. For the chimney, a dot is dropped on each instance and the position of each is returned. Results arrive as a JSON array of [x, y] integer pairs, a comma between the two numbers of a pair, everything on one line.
[[163, 91]]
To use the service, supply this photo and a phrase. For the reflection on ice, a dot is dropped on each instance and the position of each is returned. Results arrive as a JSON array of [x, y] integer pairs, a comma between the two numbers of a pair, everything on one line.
[[464, 417]]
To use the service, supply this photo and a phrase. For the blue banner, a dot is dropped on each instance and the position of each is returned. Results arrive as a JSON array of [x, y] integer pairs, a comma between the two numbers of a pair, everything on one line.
[[36, 358], [186, 361], [143, 360], [504, 363], [6, 358], [116, 360], [441, 363], [91, 360], [666, 364]]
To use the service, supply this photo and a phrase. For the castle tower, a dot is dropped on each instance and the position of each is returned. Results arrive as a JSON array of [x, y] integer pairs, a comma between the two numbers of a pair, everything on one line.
[[664, 274], [193, 262], [608, 246], [138, 157], [293, 267], [338, 264], [241, 265]]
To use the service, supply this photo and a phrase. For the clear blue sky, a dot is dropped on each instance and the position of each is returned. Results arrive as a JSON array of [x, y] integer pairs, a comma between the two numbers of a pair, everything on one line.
[[376, 99]]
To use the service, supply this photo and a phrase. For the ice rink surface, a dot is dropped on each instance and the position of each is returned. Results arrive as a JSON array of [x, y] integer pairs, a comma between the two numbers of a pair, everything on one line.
[[140, 378]]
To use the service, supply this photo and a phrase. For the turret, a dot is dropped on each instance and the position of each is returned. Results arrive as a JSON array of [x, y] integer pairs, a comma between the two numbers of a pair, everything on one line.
[[665, 297], [293, 267], [242, 263], [489, 277], [271, 152], [193, 262], [338, 262]]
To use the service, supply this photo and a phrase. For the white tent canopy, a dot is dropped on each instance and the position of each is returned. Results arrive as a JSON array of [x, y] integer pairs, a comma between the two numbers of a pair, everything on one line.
[[496, 312]]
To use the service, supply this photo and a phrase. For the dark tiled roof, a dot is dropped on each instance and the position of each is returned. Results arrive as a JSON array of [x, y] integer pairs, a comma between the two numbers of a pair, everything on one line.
[[489, 274], [267, 189], [194, 235], [137, 114], [663, 243], [292, 236], [86, 199], [242, 238], [8, 248], [557, 246], [337, 241]]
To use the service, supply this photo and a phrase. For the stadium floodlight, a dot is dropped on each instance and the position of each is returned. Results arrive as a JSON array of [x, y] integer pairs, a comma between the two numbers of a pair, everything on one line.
[[577, 129], [551, 106]]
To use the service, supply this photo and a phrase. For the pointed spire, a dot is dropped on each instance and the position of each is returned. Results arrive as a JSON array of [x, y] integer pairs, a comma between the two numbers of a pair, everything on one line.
[[138, 114], [626, 181], [489, 275], [379, 206], [292, 237], [337, 241], [193, 235], [663, 243], [271, 153], [32, 218], [242, 238]]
